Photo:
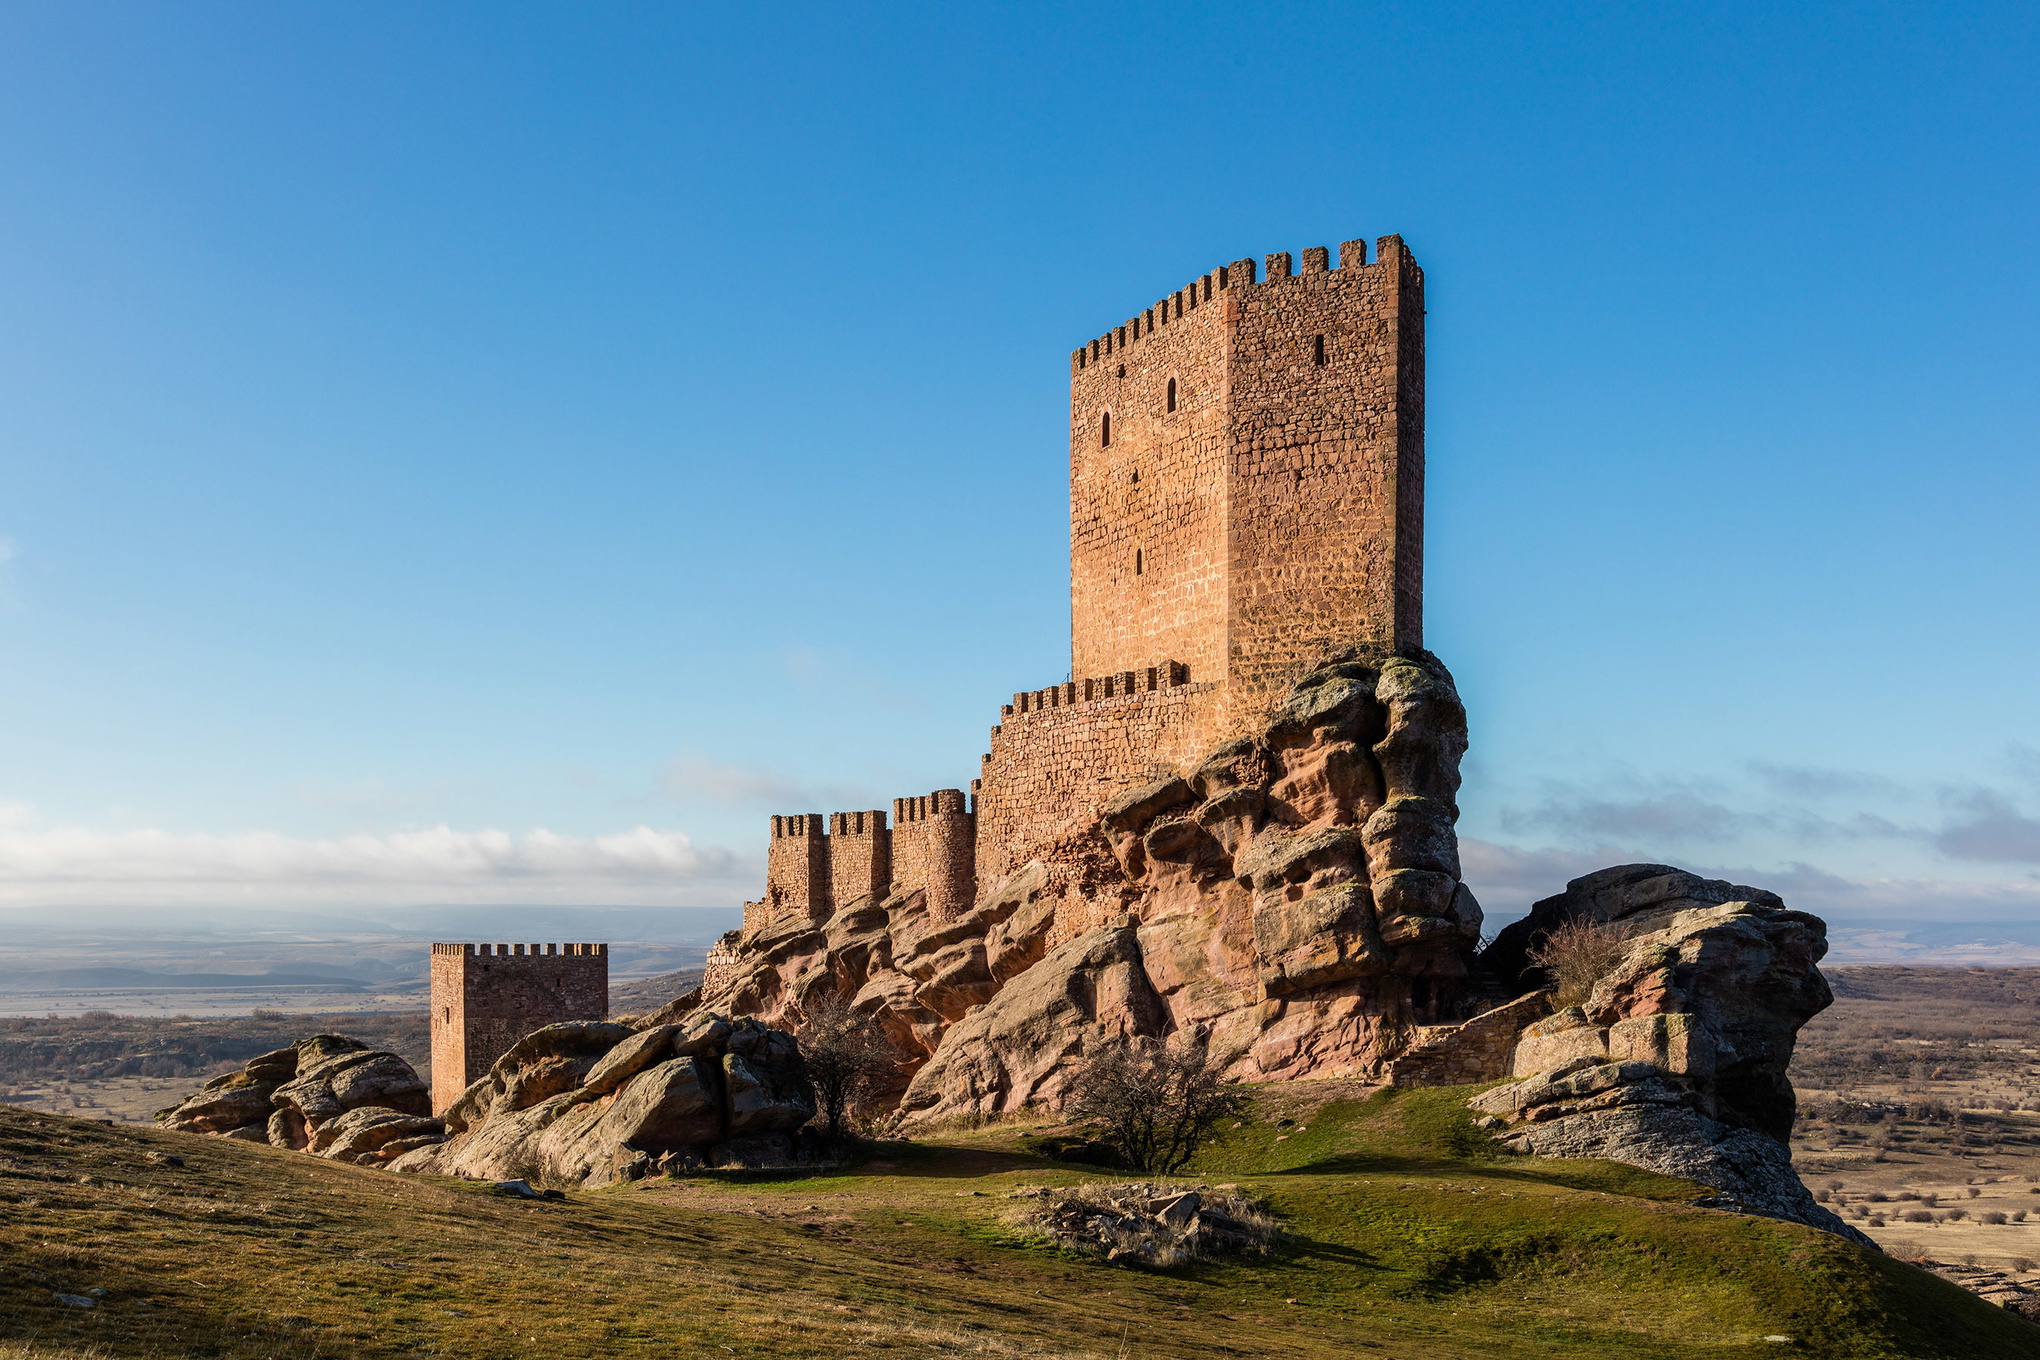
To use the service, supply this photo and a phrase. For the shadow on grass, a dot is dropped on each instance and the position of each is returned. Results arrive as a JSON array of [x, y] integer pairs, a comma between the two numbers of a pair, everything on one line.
[[1611, 1177]]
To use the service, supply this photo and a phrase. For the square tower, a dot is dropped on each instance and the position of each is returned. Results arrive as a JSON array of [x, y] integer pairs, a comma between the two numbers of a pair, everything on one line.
[[1246, 477], [485, 998]]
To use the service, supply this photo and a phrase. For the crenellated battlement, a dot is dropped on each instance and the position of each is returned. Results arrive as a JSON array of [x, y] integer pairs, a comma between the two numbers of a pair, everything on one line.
[[1230, 278], [817, 864], [506, 951], [1167, 675]]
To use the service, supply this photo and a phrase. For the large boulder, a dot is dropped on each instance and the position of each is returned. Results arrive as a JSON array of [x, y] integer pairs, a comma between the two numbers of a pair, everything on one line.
[[323, 1095], [1676, 1059], [588, 1102], [1020, 1049]]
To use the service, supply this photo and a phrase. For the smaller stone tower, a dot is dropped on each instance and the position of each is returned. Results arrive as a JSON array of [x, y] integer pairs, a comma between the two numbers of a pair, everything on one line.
[[487, 997]]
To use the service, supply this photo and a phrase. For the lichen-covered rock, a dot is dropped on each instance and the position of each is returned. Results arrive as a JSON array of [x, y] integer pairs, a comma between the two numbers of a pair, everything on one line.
[[327, 1094], [622, 1102], [1676, 1060]]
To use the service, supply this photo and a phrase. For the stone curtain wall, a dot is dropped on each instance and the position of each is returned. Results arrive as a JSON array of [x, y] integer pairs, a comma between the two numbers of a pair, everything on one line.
[[1052, 768], [1157, 490], [1327, 455], [487, 997]]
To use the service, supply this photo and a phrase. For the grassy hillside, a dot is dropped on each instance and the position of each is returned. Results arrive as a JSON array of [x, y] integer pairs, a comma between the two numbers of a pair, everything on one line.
[[1411, 1238]]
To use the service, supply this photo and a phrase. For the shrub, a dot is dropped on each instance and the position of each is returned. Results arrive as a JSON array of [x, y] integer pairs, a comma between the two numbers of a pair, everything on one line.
[[1954, 1214], [1574, 954], [846, 1054], [1992, 1217], [1877, 1221], [1156, 1104], [1916, 1216], [2022, 1263]]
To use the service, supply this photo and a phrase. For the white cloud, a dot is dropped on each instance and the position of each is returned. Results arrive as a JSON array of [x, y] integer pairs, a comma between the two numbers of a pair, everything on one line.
[[643, 864]]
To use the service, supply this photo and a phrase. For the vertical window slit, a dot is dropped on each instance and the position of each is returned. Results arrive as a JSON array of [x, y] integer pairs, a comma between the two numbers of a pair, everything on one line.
[[1319, 347], [1105, 431], [1172, 394]]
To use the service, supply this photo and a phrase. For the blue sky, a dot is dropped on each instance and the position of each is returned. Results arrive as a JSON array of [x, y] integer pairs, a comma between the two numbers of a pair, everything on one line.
[[504, 452]]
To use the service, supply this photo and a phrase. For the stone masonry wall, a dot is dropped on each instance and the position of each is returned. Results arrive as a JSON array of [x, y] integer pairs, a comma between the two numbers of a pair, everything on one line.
[[485, 998], [1325, 515], [1246, 476], [1057, 758], [860, 855], [1147, 508], [935, 850], [797, 866]]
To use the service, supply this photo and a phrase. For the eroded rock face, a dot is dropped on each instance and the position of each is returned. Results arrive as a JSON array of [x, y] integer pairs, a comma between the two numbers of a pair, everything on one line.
[[328, 1095], [1676, 1061], [588, 1102], [1294, 901]]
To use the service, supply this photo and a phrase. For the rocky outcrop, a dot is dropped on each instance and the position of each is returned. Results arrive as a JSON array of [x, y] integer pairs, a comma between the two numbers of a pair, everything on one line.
[[1676, 1060], [589, 1102], [1293, 902], [328, 1095], [1146, 1223]]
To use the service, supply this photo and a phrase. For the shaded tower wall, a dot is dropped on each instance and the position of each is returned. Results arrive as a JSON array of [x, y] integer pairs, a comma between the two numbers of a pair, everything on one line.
[[487, 997], [1325, 497]]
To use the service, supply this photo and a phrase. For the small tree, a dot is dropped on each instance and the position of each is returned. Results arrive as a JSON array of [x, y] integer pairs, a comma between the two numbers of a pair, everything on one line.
[[1575, 954], [846, 1055], [1156, 1104]]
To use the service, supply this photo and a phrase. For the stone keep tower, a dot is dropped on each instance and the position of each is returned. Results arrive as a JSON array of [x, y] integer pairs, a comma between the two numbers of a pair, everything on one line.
[[484, 999], [1247, 476], [1246, 500]]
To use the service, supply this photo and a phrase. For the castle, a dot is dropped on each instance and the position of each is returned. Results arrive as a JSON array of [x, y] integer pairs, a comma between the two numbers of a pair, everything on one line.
[[484, 1000], [1246, 498]]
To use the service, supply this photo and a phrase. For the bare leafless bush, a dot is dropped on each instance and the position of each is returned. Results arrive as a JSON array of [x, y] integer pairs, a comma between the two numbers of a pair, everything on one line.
[[1157, 1104], [846, 1055], [1575, 954]]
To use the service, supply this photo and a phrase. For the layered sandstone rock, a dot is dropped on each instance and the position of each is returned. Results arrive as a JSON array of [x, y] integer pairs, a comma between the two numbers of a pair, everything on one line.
[[1676, 1061], [328, 1095], [588, 1102], [1293, 901]]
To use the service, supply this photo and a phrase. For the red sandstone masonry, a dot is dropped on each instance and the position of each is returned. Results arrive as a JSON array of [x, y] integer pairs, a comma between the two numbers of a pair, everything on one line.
[[485, 998], [1276, 512], [860, 856], [932, 847], [797, 866], [935, 850]]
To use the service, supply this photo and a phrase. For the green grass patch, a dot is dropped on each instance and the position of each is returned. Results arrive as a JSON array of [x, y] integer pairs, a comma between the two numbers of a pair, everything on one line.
[[1410, 1235]]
